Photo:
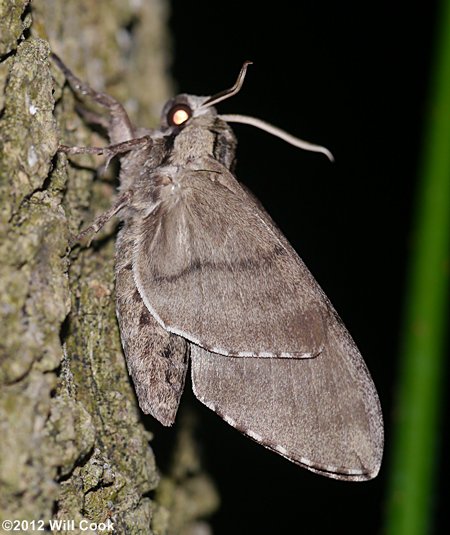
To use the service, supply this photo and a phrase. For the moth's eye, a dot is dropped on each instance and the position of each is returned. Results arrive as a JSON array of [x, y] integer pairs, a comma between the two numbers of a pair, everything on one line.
[[178, 115]]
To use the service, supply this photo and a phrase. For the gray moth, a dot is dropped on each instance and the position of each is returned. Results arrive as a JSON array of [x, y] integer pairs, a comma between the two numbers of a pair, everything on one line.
[[204, 275]]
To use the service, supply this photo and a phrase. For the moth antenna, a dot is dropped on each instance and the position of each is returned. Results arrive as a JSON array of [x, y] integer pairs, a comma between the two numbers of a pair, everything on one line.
[[267, 127], [227, 93]]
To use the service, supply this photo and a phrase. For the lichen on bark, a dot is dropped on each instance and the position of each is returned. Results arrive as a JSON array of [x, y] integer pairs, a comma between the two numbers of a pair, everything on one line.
[[73, 446]]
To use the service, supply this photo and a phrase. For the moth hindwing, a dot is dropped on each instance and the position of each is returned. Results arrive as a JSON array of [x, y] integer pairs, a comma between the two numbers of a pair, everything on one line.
[[202, 270]]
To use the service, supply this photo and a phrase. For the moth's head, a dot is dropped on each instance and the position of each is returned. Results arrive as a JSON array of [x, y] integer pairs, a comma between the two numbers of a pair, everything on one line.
[[184, 110], [196, 130]]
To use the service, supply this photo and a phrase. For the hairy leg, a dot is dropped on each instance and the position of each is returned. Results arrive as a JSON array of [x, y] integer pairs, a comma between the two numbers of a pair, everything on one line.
[[119, 127]]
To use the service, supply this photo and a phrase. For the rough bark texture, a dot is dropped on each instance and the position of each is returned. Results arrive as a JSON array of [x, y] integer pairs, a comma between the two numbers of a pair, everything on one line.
[[72, 445]]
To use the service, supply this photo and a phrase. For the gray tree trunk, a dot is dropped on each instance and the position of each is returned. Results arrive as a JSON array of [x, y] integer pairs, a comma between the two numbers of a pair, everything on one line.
[[71, 443]]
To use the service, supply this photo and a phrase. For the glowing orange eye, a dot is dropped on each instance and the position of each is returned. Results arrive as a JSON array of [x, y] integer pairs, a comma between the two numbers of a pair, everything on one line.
[[178, 115]]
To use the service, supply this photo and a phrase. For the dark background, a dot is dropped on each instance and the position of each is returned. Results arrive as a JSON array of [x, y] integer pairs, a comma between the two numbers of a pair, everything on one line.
[[354, 78]]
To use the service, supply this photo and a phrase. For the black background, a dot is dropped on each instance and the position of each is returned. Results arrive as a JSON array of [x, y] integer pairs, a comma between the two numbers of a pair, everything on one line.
[[353, 77]]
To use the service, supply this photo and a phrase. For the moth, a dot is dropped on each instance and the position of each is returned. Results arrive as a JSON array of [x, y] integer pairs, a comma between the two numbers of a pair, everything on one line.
[[204, 275]]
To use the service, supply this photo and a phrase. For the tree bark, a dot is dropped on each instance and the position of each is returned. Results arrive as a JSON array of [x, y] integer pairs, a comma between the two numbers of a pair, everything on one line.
[[72, 445]]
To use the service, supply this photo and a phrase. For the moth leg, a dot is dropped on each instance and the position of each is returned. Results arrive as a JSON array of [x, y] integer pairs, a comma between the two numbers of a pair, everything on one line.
[[119, 127], [102, 219], [110, 150]]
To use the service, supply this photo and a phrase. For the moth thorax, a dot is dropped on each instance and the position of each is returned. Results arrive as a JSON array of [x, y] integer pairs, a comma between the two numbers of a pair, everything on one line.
[[192, 143]]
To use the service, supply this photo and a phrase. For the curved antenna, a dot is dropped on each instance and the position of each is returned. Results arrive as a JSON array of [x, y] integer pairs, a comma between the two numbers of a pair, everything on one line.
[[267, 127], [227, 93]]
